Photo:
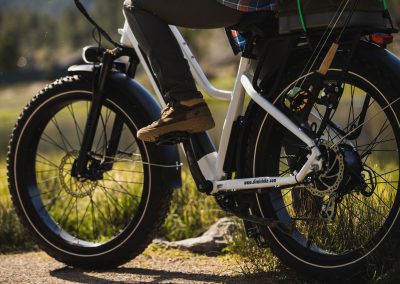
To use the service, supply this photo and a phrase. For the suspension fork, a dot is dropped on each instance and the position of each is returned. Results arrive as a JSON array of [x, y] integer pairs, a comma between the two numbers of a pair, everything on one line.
[[81, 167], [112, 145], [118, 125]]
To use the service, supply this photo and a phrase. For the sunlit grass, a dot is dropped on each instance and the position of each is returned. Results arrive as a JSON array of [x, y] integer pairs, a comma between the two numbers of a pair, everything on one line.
[[89, 210], [190, 213], [12, 234]]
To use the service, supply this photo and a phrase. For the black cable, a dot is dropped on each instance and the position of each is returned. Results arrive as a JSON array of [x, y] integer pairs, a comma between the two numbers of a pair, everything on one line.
[[84, 12], [348, 19], [96, 38]]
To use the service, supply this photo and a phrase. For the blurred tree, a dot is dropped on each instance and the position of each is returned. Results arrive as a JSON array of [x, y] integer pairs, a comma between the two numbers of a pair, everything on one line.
[[394, 8], [108, 15], [73, 29], [9, 53], [23, 33]]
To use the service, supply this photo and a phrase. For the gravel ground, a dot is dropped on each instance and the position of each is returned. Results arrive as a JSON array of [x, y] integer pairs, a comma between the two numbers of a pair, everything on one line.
[[150, 267]]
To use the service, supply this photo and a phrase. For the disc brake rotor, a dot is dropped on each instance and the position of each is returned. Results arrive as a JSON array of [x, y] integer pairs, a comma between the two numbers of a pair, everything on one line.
[[329, 180], [78, 189]]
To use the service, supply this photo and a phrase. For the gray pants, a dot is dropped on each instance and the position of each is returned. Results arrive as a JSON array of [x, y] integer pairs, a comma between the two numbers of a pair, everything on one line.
[[149, 20]]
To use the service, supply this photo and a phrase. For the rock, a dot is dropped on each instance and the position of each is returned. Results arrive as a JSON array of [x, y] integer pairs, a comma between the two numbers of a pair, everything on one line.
[[212, 241]]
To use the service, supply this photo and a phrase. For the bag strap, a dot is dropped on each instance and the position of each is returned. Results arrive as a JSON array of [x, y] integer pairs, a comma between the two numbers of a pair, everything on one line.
[[303, 23], [302, 20], [385, 6]]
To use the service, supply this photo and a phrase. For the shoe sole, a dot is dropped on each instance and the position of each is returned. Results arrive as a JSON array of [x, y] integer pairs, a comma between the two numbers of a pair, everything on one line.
[[192, 125]]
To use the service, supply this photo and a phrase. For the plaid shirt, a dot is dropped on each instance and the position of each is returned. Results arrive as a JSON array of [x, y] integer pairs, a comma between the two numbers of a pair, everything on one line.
[[237, 41], [251, 5]]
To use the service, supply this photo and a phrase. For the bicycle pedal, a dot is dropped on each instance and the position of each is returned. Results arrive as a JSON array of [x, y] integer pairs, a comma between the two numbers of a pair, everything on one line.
[[172, 138]]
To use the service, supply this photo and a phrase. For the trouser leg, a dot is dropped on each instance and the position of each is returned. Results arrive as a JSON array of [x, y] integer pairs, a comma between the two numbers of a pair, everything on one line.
[[149, 21]]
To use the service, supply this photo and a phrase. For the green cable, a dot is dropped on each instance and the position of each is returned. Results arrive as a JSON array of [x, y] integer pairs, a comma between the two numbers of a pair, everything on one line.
[[384, 4], [303, 23]]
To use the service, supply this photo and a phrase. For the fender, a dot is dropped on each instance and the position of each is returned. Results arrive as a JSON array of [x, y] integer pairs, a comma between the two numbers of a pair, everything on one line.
[[139, 97], [380, 56]]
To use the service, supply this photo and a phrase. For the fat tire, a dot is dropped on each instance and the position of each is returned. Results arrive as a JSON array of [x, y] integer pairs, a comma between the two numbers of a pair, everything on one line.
[[159, 198], [383, 257]]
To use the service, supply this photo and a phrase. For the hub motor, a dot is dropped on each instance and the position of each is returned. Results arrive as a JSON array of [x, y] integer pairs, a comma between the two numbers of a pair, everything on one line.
[[343, 173]]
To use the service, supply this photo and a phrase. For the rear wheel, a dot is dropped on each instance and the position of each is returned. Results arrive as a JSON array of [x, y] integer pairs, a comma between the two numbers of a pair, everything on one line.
[[98, 222], [345, 220]]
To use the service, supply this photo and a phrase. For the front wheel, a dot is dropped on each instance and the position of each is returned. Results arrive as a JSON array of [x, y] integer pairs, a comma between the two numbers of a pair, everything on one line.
[[345, 220], [107, 218]]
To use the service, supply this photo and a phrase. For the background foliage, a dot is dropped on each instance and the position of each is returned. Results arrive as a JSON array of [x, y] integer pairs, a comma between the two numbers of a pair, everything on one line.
[[38, 40]]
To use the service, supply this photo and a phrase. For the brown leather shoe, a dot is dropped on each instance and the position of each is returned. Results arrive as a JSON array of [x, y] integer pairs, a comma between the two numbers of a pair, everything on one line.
[[178, 117]]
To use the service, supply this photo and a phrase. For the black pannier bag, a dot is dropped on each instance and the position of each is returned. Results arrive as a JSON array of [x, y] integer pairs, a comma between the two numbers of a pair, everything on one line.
[[319, 13]]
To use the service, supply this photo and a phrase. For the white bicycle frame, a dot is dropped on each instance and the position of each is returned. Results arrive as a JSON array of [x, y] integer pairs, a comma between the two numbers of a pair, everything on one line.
[[212, 164]]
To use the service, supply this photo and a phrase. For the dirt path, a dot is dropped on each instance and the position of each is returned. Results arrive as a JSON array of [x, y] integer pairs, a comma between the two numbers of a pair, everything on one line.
[[153, 267]]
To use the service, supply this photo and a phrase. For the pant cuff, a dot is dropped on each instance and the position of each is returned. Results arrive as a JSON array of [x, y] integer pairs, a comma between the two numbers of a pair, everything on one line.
[[181, 96]]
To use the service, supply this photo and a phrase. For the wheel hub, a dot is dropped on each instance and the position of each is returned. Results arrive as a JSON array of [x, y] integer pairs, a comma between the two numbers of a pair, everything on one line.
[[330, 179], [354, 178], [73, 186]]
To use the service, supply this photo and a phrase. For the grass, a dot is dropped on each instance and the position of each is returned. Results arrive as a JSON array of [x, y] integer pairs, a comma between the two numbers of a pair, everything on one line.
[[252, 259], [12, 235], [190, 213]]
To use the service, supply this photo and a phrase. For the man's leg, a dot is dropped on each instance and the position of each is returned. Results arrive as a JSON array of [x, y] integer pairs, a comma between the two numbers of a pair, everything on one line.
[[149, 21]]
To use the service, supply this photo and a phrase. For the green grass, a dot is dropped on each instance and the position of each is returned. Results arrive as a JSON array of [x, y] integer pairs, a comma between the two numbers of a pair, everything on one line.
[[12, 235], [190, 213], [253, 260]]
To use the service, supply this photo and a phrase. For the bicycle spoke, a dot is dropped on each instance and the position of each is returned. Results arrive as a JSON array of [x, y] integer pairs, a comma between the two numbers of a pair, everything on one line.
[[123, 181], [365, 204], [112, 199], [78, 130], [65, 214], [354, 214], [52, 142], [88, 210], [104, 218], [366, 154], [128, 171], [63, 138], [83, 217], [46, 180], [119, 191], [113, 179], [47, 171], [46, 160], [51, 203], [103, 133], [94, 223]]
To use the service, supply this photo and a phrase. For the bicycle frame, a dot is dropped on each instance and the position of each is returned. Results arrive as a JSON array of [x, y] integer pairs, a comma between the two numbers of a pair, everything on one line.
[[212, 164]]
